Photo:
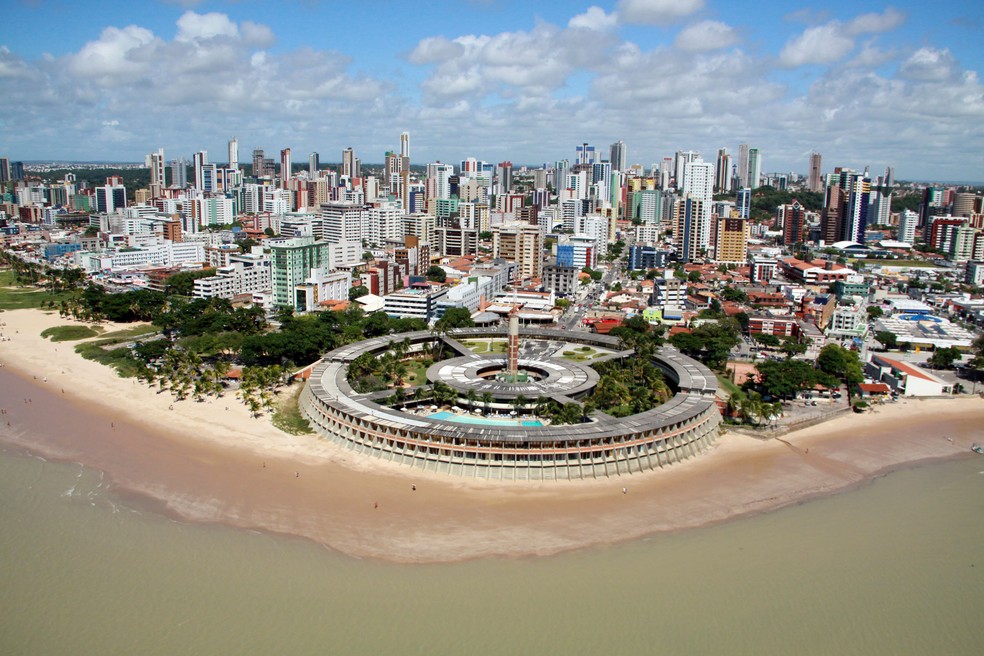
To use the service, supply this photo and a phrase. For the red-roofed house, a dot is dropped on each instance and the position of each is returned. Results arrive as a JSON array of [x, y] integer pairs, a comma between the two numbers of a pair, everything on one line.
[[874, 390], [905, 378]]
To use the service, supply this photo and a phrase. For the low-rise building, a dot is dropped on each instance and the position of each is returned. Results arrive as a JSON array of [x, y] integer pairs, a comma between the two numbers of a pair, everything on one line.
[[904, 378]]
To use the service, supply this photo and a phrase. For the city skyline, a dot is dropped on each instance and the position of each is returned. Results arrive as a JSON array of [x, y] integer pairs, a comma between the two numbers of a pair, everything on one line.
[[881, 86]]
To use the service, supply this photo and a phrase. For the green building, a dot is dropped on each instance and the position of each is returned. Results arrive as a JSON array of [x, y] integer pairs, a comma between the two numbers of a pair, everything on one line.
[[293, 260], [842, 289]]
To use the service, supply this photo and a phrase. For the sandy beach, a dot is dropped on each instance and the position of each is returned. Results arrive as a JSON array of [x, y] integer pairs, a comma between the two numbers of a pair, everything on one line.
[[212, 462]]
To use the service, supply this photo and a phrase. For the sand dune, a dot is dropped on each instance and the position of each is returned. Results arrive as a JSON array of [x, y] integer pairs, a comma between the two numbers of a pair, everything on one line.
[[212, 462]]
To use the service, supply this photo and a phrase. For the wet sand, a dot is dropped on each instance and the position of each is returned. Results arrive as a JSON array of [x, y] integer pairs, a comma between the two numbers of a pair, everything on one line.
[[201, 462]]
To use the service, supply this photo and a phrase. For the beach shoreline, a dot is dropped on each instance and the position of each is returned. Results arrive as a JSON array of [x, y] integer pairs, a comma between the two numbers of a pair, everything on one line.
[[212, 462]]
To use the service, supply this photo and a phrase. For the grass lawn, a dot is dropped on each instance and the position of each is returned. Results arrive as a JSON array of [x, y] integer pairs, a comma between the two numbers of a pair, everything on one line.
[[288, 417], [24, 298], [416, 373], [477, 346], [580, 353], [70, 333], [136, 331], [726, 384]]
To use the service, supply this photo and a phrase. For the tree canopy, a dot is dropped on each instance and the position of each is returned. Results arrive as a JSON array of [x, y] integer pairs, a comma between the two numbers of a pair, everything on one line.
[[710, 342], [437, 274], [841, 363]]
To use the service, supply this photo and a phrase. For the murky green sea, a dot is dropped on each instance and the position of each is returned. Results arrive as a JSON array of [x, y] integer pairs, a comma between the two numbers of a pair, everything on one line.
[[896, 567]]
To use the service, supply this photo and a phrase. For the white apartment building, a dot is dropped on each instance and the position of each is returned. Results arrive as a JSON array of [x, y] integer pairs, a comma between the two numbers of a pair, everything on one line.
[[908, 220], [849, 319], [165, 255], [344, 222], [244, 275], [346, 255], [385, 221], [414, 303], [322, 286]]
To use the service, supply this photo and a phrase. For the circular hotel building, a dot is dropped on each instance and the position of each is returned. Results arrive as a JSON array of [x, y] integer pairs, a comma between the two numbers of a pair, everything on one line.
[[485, 424]]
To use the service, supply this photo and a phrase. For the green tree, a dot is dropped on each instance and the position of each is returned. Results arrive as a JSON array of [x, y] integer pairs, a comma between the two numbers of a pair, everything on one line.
[[437, 274], [874, 312], [842, 364], [887, 339], [766, 339], [455, 317], [785, 378], [943, 358], [792, 346], [357, 292], [733, 294]]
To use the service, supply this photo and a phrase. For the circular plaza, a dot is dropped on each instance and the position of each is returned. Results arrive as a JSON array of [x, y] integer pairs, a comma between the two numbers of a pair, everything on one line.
[[474, 404]]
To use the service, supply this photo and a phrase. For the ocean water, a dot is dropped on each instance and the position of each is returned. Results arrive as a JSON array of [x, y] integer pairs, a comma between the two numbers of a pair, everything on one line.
[[895, 567]]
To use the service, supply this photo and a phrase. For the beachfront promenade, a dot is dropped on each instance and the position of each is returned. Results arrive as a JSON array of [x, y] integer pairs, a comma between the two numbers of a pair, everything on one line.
[[604, 447]]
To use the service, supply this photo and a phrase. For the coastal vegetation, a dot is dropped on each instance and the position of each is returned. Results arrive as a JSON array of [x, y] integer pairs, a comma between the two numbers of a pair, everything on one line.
[[288, 418], [70, 333], [23, 288], [206, 346]]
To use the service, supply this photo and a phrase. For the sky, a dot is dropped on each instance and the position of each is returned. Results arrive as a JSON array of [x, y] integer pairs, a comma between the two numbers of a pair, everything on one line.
[[864, 84]]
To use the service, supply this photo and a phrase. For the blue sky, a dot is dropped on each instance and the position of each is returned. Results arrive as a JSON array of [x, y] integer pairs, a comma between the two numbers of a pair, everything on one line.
[[873, 84]]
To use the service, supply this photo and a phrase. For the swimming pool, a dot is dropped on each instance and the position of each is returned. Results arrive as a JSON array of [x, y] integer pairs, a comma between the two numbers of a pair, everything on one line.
[[465, 419]]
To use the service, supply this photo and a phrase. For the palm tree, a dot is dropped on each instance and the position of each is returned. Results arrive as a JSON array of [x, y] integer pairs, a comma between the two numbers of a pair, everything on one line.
[[519, 403], [486, 401]]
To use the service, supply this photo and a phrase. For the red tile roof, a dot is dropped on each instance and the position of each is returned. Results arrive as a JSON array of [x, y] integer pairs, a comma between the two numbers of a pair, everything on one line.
[[906, 368]]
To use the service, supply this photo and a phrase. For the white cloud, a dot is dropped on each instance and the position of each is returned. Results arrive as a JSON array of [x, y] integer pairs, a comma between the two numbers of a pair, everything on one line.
[[656, 12], [706, 35], [872, 57], [11, 65], [929, 64], [508, 64], [197, 27], [256, 34], [520, 95], [594, 18], [435, 49], [117, 52], [817, 45], [834, 40], [870, 23]]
